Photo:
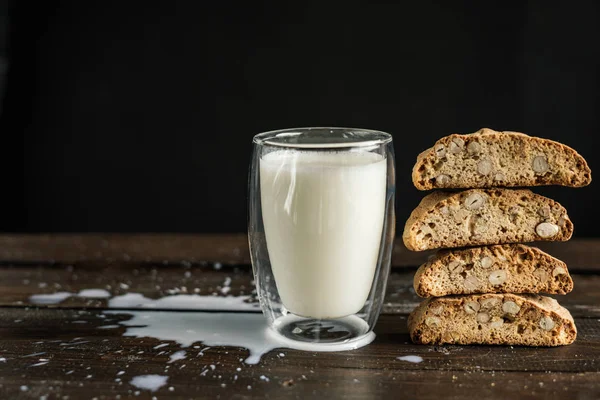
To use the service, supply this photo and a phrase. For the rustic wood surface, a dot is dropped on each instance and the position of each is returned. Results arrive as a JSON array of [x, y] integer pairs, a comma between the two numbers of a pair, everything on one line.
[[58, 351], [226, 249]]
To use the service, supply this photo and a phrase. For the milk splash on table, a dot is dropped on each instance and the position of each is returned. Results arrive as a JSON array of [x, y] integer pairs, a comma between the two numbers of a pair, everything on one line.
[[149, 382], [243, 326], [235, 329], [247, 330]]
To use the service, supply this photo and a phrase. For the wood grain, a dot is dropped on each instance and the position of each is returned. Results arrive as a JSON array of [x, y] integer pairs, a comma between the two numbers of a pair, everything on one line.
[[82, 361], [579, 254], [95, 357], [19, 283]]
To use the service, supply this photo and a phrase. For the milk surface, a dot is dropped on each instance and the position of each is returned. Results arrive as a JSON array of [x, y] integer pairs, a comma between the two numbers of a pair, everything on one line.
[[323, 215]]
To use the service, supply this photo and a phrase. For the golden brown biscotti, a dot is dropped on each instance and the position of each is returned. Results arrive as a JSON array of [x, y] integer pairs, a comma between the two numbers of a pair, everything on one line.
[[508, 319], [509, 268], [488, 158], [479, 217]]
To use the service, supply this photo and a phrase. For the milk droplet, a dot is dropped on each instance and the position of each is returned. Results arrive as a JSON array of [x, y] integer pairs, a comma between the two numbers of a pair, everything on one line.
[[178, 355], [150, 382], [412, 359]]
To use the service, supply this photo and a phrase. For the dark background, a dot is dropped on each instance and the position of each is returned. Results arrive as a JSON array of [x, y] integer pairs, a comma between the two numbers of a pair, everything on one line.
[[138, 116]]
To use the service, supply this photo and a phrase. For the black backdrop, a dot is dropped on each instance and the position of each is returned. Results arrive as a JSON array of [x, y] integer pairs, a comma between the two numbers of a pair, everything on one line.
[[138, 116]]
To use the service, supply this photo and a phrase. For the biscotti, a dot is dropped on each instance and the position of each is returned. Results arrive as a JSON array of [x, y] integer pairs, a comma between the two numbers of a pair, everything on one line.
[[506, 319], [509, 268], [480, 217], [488, 158]]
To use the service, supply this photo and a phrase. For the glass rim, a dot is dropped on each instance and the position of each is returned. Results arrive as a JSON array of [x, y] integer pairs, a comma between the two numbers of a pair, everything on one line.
[[285, 138]]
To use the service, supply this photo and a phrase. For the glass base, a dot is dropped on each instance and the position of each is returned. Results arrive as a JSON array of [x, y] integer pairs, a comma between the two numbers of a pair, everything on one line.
[[310, 334]]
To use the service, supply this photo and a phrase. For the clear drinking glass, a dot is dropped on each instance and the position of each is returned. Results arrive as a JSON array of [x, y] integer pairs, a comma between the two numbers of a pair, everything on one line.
[[321, 226]]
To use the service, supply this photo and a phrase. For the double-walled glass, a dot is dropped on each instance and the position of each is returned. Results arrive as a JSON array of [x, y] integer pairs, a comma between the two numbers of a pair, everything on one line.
[[321, 227]]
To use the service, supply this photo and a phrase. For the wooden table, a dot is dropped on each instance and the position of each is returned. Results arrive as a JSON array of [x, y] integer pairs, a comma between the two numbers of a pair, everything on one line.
[[57, 351]]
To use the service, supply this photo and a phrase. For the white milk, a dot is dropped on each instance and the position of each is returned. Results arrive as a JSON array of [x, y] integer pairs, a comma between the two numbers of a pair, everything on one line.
[[323, 214]]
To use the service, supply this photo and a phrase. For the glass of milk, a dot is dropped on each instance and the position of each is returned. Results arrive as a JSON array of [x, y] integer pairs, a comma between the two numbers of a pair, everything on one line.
[[321, 226]]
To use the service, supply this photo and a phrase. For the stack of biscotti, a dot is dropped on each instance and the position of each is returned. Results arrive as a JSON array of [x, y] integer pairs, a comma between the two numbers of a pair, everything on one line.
[[488, 290]]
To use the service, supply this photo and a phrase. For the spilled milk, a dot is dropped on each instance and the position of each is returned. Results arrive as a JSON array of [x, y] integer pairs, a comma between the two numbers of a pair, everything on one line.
[[244, 328], [412, 359], [149, 382], [247, 330], [55, 298]]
